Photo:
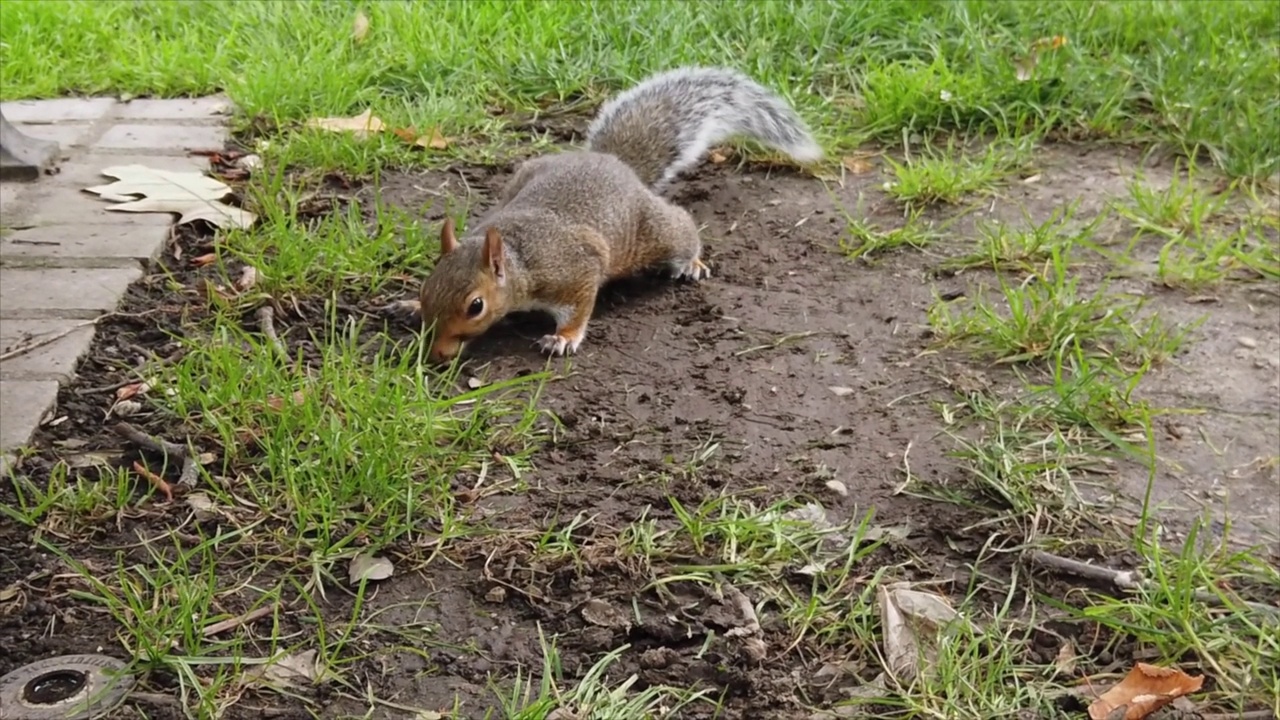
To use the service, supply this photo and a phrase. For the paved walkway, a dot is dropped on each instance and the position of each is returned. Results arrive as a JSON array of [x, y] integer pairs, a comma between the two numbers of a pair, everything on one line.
[[63, 258]]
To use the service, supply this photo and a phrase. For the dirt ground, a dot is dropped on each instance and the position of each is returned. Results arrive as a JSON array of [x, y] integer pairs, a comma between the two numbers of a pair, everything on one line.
[[747, 359]]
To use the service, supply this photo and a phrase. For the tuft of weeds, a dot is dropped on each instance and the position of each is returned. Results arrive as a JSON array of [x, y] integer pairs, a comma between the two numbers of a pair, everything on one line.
[[863, 240], [593, 696], [1204, 600], [1047, 315], [1185, 207], [1007, 249], [1204, 261], [950, 176]]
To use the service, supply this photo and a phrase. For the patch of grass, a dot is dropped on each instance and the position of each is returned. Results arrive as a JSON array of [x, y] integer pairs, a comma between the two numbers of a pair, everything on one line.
[[949, 177], [1188, 73], [864, 240], [1003, 248], [1194, 603], [592, 696], [1207, 261], [1185, 207], [1046, 316]]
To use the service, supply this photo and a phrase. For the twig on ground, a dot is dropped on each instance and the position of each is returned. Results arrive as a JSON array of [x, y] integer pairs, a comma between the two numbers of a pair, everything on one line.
[[156, 481], [235, 622], [47, 339], [173, 451], [1250, 715], [267, 322], [1129, 580]]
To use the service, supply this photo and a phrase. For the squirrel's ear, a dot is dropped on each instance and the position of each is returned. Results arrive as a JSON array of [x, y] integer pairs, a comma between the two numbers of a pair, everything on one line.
[[493, 255], [447, 239]]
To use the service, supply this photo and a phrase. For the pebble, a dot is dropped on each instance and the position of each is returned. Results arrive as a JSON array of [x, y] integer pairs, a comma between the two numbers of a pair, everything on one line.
[[1246, 341]]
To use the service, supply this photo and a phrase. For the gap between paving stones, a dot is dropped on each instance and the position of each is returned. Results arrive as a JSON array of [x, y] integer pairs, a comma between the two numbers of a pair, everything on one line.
[[65, 259]]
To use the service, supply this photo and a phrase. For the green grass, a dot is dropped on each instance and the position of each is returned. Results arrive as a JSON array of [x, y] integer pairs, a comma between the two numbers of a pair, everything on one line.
[[1199, 76]]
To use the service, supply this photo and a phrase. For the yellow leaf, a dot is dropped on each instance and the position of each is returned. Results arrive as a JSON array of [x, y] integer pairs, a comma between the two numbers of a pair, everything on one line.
[[360, 29], [361, 125], [857, 164]]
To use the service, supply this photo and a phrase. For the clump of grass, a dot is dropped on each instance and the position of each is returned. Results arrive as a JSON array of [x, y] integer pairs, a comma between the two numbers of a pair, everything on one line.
[[592, 696], [865, 240], [1195, 603], [1204, 261], [1047, 316], [1185, 207], [950, 176], [1006, 249]]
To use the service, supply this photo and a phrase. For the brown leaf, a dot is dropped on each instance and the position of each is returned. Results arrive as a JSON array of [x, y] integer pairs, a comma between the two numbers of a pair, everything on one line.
[[129, 391], [857, 164], [203, 260], [361, 125], [360, 28], [430, 139], [248, 278], [1144, 690], [718, 156], [275, 402], [156, 481]]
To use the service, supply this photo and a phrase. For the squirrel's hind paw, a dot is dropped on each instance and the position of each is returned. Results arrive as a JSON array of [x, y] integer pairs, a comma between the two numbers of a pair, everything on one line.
[[557, 345], [695, 270]]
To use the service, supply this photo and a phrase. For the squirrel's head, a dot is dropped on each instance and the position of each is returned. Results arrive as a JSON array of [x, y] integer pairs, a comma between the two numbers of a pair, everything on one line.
[[463, 296]]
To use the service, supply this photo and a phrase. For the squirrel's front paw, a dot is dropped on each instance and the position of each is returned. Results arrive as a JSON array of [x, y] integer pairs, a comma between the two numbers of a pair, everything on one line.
[[557, 345], [695, 270]]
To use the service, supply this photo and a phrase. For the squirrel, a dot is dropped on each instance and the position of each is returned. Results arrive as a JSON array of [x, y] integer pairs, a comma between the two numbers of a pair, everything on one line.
[[566, 224]]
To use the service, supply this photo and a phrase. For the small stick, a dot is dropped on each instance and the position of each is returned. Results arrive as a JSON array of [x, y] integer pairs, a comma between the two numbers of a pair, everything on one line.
[[1130, 580], [266, 321], [156, 481], [173, 451], [235, 622], [46, 340]]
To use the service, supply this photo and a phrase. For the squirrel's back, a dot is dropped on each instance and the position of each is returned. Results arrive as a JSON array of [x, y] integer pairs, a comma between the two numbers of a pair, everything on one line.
[[665, 124]]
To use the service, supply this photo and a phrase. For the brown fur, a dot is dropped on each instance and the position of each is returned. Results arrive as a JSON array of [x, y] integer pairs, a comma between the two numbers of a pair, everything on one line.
[[564, 225]]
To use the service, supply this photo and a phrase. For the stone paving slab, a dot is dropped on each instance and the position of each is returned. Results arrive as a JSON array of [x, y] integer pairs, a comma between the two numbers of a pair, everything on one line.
[[64, 258], [54, 361], [23, 404]]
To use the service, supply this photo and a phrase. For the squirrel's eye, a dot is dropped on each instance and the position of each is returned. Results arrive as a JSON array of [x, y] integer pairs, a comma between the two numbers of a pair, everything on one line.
[[476, 307]]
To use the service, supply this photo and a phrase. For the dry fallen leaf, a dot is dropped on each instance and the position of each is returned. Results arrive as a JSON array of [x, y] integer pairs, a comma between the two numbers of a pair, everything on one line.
[[367, 566], [129, 391], [275, 402], [192, 195], [360, 125], [217, 213], [717, 156], [912, 621], [431, 139], [294, 669], [1065, 662], [1144, 690], [248, 278], [203, 260], [360, 28], [857, 164]]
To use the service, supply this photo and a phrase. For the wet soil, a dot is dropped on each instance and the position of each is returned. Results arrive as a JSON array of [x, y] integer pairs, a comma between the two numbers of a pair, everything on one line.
[[804, 366]]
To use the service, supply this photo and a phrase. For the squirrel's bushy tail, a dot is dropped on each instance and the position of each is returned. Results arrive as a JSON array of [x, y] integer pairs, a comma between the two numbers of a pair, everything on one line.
[[665, 124]]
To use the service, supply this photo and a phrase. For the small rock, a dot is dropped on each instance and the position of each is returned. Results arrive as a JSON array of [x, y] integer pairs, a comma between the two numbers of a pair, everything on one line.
[[497, 595], [838, 488], [1246, 341]]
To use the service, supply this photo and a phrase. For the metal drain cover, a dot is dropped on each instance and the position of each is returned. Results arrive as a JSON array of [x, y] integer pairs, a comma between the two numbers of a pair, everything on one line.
[[69, 687]]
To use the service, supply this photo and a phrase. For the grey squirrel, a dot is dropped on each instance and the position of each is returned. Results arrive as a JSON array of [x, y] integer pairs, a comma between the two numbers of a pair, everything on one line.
[[566, 224]]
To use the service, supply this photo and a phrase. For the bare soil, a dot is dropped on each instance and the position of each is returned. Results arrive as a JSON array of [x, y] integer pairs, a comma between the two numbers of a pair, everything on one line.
[[758, 359]]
